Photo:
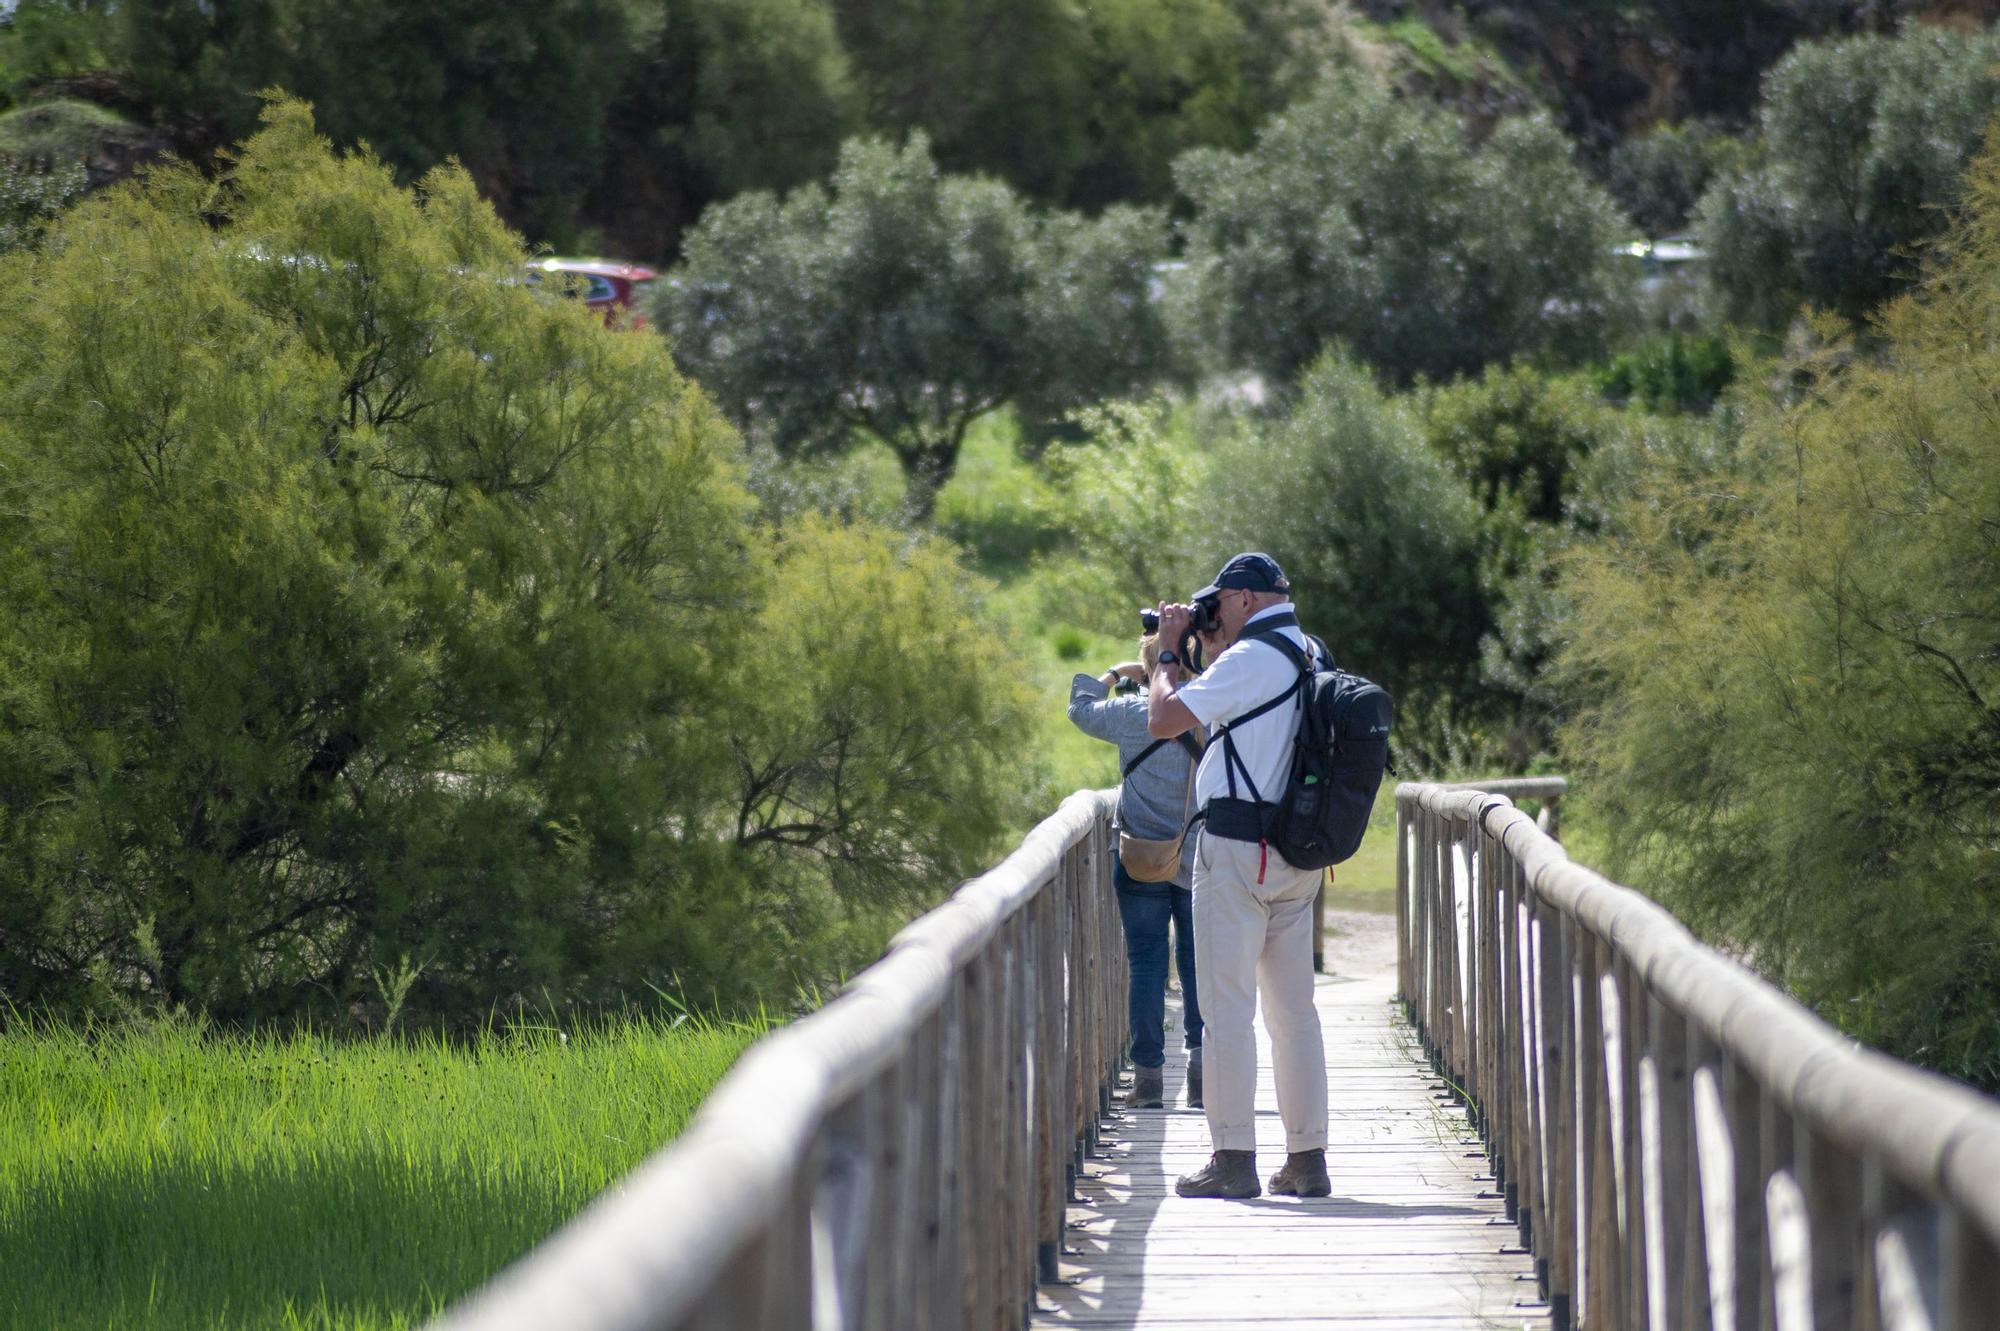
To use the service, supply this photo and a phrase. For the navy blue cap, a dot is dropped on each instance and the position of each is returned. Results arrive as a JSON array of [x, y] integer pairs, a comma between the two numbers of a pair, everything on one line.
[[1250, 572]]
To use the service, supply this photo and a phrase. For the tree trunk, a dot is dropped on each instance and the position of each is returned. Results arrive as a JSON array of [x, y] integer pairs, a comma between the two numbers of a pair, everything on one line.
[[927, 465]]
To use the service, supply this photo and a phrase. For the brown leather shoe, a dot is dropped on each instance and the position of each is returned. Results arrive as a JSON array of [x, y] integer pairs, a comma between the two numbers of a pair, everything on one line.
[[1149, 1089], [1230, 1174], [1304, 1175]]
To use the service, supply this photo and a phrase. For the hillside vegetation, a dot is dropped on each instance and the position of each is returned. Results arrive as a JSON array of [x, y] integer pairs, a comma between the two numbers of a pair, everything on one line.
[[366, 609]]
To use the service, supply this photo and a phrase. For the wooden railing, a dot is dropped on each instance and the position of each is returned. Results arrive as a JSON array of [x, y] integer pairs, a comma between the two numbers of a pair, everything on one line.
[[1683, 1145], [901, 1158]]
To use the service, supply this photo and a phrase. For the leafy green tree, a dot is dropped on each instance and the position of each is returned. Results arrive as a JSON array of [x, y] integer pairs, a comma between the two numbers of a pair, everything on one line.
[[1517, 436], [1860, 146], [774, 91], [1671, 373], [877, 745], [1381, 542], [49, 39], [906, 303], [359, 602], [1164, 76], [518, 94], [1365, 218], [1788, 648], [719, 96], [1133, 495], [348, 589], [1658, 177], [998, 86], [1543, 454], [1289, 46]]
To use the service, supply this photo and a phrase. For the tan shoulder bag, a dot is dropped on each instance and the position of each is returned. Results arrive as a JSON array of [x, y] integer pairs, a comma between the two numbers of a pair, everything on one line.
[[1155, 861]]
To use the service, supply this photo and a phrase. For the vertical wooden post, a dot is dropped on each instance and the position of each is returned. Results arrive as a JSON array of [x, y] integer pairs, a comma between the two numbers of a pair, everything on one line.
[[1051, 1076], [1831, 1182], [1631, 1008], [1610, 1223], [1510, 1125], [948, 1269], [1405, 934], [975, 1176], [1559, 1062], [1709, 1290], [1971, 1273], [1774, 1149], [1665, 1138]]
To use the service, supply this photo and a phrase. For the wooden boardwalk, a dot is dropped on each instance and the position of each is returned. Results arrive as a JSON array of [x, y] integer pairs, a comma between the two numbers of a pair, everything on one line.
[[1413, 1237]]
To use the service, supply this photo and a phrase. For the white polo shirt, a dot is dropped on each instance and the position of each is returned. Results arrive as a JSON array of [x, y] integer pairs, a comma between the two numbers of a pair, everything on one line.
[[1239, 680]]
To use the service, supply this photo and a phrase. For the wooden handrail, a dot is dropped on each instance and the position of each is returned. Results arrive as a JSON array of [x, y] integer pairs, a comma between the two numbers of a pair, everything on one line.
[[1684, 1145], [901, 1158]]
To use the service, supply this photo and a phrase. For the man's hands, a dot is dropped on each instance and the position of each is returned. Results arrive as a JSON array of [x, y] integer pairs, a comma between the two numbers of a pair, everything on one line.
[[1166, 715]]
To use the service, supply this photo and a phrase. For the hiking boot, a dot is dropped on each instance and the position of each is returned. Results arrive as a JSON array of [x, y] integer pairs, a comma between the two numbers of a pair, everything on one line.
[[1194, 1078], [1149, 1089], [1304, 1175], [1227, 1174]]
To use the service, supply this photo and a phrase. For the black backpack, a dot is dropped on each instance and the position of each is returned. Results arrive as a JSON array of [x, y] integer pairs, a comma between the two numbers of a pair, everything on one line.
[[1340, 753]]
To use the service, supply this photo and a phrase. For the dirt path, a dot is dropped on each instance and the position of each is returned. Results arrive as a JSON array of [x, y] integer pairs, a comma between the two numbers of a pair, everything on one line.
[[1360, 944]]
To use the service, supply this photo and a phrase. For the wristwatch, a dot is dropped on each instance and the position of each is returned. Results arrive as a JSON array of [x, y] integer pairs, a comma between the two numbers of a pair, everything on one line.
[[1169, 656]]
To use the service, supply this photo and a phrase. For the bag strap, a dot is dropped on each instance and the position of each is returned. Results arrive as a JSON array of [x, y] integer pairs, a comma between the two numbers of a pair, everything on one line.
[[1185, 739]]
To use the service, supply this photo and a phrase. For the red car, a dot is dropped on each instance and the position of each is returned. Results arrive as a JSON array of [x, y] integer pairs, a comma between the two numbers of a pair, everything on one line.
[[616, 290]]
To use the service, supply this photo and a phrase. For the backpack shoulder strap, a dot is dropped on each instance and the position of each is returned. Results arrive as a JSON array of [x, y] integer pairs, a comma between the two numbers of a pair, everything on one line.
[[1231, 764], [1285, 645]]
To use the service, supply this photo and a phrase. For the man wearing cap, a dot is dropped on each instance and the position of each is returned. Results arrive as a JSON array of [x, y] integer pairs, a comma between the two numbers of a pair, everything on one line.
[[1253, 912]]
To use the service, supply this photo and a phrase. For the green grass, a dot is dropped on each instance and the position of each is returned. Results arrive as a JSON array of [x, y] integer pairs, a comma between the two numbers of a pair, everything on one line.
[[171, 1178], [1368, 881]]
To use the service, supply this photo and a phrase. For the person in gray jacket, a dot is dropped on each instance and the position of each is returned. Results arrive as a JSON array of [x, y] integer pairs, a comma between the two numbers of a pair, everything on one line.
[[1154, 803]]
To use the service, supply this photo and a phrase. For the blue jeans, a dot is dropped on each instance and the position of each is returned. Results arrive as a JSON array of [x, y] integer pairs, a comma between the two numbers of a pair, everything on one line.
[[1145, 910]]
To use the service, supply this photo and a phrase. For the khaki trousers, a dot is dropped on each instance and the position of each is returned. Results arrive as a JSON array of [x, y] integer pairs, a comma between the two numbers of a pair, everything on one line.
[[1253, 938]]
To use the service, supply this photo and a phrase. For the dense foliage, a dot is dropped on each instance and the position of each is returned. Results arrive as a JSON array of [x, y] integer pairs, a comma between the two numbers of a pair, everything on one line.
[[359, 603], [625, 118], [1790, 641], [1658, 177], [1378, 538], [1366, 218], [30, 197], [1859, 149], [905, 303], [363, 610]]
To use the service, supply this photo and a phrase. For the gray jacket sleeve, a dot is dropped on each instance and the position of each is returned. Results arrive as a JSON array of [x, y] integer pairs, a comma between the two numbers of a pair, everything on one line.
[[1091, 708]]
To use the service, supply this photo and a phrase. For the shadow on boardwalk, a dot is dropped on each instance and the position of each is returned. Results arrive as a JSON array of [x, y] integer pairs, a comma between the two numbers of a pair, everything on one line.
[[1413, 1236]]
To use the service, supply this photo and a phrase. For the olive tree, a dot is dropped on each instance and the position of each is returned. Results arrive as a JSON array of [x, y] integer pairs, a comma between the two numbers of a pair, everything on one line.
[[905, 303], [1859, 150], [1658, 177], [1366, 218]]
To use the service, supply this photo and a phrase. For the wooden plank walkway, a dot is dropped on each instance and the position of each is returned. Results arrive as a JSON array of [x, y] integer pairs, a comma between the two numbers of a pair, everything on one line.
[[1413, 1237]]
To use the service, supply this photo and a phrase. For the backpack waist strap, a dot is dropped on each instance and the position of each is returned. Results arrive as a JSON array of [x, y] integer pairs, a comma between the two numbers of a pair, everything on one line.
[[1236, 820]]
